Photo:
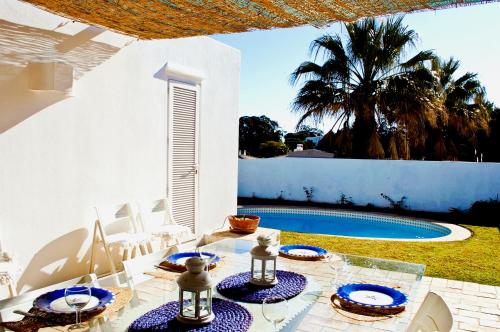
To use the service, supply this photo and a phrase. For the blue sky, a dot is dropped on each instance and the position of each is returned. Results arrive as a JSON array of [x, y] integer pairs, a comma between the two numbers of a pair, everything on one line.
[[470, 34]]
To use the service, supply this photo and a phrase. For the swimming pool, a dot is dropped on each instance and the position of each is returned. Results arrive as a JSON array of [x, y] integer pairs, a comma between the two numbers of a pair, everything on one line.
[[344, 223]]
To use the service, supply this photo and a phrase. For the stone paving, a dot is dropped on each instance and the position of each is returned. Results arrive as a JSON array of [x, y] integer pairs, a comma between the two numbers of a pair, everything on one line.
[[474, 307]]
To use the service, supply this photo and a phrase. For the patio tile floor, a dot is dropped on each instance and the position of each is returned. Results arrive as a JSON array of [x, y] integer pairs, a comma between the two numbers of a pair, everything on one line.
[[474, 307]]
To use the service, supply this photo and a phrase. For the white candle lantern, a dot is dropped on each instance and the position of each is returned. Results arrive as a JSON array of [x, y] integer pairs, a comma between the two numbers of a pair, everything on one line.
[[263, 270], [195, 293]]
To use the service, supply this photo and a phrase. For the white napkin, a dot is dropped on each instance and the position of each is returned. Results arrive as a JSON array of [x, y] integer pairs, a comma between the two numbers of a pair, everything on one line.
[[371, 297], [60, 305], [303, 252]]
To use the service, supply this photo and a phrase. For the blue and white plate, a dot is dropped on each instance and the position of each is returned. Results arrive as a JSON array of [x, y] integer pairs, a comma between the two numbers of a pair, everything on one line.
[[55, 302], [180, 258], [372, 296], [303, 251]]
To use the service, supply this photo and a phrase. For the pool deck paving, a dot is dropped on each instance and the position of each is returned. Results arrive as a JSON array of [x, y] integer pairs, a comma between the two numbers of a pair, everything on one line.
[[474, 307]]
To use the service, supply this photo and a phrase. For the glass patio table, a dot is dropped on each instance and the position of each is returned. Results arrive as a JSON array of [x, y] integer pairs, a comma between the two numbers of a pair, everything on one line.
[[311, 309]]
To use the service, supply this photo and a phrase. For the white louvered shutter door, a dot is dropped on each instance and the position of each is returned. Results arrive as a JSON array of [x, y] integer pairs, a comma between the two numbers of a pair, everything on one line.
[[183, 153]]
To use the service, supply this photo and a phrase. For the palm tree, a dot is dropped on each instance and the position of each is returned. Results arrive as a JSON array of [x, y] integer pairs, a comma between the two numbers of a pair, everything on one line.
[[466, 111], [491, 142], [358, 81]]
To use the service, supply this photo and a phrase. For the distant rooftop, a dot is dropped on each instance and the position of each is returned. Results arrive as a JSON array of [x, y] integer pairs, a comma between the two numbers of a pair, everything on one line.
[[244, 156], [311, 153], [158, 19]]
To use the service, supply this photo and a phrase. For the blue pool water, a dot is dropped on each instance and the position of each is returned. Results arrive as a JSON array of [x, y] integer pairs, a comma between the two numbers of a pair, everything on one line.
[[345, 223]]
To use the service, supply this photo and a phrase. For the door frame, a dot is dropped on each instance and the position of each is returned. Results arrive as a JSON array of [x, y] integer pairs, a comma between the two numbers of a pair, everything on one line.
[[170, 151]]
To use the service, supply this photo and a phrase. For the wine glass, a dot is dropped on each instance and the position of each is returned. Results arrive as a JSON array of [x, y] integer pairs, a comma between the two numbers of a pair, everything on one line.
[[341, 271], [275, 310], [214, 253], [277, 239], [77, 297]]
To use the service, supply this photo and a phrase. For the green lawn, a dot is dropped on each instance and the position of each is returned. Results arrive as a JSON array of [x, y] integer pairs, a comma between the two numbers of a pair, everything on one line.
[[476, 259]]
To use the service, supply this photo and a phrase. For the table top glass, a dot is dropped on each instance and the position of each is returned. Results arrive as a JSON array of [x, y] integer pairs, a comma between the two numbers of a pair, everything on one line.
[[312, 308]]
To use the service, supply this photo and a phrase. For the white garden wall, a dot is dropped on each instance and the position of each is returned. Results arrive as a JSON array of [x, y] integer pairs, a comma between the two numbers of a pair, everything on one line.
[[428, 185], [62, 155]]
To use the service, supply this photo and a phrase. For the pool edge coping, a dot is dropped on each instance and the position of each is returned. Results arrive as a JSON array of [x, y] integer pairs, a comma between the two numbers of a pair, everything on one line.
[[458, 233]]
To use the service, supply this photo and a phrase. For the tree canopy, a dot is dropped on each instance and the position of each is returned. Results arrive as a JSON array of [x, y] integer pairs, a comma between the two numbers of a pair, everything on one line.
[[387, 104], [255, 130]]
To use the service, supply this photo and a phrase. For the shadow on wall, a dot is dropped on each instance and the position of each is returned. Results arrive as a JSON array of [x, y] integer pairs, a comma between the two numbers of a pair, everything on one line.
[[65, 258], [20, 45], [56, 262], [17, 102]]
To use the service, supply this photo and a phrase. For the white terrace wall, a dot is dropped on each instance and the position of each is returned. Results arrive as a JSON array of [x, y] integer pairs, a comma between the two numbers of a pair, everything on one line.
[[428, 185], [62, 155]]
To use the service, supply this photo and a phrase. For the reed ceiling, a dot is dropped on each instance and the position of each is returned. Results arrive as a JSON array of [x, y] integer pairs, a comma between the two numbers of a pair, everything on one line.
[[154, 19]]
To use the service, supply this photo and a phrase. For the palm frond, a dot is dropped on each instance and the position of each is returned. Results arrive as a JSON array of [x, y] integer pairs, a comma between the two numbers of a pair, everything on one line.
[[317, 99], [419, 58], [331, 46], [306, 70]]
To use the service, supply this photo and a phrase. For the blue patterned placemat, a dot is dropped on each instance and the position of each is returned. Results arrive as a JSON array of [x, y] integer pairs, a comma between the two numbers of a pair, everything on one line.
[[237, 287], [229, 316]]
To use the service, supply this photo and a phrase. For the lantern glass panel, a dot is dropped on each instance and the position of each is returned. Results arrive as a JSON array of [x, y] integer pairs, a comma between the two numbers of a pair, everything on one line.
[[205, 303], [269, 273], [257, 269], [188, 308]]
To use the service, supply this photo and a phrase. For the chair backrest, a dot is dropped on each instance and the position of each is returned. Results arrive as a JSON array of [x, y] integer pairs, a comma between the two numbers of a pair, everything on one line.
[[116, 219], [432, 316], [154, 213], [25, 301], [135, 268]]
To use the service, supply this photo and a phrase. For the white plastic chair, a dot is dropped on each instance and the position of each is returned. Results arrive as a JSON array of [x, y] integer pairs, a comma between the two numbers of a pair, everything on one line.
[[432, 316], [24, 301], [135, 268], [116, 226], [8, 272], [155, 217]]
